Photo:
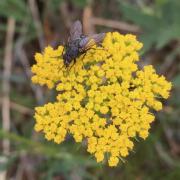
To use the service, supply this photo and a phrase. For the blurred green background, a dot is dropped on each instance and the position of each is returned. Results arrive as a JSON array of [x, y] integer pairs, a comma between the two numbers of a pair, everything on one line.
[[26, 27]]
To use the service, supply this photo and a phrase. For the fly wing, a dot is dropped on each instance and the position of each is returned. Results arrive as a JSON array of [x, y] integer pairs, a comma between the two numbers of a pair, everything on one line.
[[88, 42], [75, 30]]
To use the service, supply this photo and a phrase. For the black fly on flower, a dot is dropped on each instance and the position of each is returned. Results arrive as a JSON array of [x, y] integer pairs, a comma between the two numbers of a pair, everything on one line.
[[78, 43]]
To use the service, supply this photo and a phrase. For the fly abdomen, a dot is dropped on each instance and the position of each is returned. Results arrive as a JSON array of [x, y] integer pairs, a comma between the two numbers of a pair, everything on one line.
[[70, 55]]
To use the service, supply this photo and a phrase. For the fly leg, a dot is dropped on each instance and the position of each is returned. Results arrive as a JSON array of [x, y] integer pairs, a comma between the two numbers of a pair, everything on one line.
[[61, 67], [74, 61], [98, 49], [83, 59]]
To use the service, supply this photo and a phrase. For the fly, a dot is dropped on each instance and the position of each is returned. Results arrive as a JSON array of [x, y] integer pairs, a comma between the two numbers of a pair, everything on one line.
[[78, 43]]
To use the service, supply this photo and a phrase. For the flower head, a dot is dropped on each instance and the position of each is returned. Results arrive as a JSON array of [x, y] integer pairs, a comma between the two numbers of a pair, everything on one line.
[[104, 98]]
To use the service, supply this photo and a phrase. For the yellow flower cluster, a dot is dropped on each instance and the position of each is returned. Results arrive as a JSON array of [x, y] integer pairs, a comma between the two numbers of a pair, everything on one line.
[[103, 99]]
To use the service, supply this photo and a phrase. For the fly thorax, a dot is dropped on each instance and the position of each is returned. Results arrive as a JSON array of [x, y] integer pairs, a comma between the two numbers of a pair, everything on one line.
[[74, 51]]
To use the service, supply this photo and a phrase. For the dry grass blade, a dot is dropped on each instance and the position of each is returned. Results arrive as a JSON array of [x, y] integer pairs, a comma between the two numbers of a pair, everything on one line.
[[116, 24], [20, 108], [37, 22], [89, 21], [6, 86]]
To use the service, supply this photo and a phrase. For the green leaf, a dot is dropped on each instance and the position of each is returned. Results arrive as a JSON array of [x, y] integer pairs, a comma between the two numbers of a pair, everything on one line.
[[79, 3], [130, 12], [13, 8], [176, 81], [167, 34], [159, 27], [6, 162], [34, 147], [53, 5]]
